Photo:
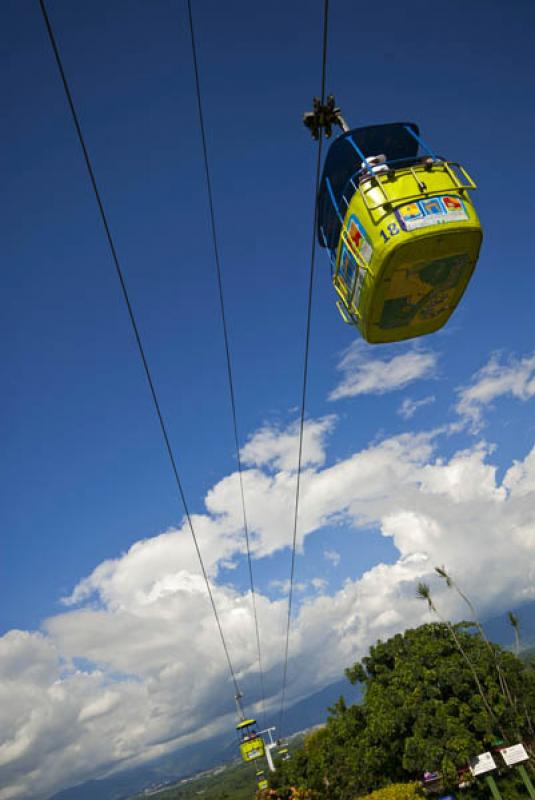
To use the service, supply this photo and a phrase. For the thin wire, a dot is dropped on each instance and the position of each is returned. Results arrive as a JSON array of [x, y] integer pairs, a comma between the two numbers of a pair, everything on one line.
[[137, 336], [227, 343], [305, 373]]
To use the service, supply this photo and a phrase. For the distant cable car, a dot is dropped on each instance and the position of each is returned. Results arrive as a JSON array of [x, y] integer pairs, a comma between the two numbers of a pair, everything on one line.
[[399, 225], [262, 783], [284, 754], [251, 745]]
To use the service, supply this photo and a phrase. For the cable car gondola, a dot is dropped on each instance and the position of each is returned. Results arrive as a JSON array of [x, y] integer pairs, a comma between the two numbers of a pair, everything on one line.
[[284, 754], [399, 225], [262, 783], [251, 745]]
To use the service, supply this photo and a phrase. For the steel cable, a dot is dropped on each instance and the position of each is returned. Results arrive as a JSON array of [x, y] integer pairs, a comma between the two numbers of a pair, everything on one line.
[[226, 340], [305, 376], [137, 335]]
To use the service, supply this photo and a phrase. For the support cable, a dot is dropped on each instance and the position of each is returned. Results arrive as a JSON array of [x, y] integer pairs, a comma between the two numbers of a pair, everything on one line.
[[227, 342], [305, 375], [139, 342]]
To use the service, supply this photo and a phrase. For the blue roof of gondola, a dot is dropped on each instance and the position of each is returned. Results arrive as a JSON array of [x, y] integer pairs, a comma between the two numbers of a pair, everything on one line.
[[394, 140]]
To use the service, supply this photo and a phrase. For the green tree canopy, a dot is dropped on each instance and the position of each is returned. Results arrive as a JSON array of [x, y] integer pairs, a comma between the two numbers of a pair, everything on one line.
[[422, 710], [397, 791]]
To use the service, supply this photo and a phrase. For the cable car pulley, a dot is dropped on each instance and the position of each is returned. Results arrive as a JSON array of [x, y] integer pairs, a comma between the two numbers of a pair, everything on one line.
[[324, 116]]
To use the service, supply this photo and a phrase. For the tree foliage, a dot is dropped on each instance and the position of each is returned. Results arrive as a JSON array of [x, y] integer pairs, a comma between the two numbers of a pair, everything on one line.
[[397, 791], [422, 710]]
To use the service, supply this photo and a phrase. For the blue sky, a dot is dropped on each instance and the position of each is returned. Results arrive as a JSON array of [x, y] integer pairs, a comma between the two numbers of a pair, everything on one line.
[[85, 474]]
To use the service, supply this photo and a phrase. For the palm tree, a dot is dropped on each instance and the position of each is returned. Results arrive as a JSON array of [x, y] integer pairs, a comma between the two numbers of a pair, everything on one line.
[[424, 593], [515, 622], [506, 692], [513, 619], [441, 572]]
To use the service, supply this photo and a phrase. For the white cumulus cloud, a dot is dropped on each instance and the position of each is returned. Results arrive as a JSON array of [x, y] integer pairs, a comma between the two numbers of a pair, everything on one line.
[[333, 556], [133, 668], [375, 374], [278, 449], [500, 376], [409, 407]]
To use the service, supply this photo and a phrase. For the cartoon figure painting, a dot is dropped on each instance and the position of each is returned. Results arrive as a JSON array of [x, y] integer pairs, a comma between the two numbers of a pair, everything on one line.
[[422, 292]]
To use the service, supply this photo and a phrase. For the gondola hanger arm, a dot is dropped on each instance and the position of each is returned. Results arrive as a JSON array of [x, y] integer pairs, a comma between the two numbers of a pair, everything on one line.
[[323, 117]]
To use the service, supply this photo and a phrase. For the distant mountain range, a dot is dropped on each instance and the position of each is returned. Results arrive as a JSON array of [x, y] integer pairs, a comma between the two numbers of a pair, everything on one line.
[[499, 630], [205, 755], [301, 716]]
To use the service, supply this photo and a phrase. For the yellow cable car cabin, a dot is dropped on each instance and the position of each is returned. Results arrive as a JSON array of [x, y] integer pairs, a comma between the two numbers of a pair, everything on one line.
[[262, 783], [251, 745], [401, 231], [284, 754]]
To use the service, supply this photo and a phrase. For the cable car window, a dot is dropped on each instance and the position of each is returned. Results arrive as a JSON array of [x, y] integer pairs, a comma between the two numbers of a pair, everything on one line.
[[348, 267]]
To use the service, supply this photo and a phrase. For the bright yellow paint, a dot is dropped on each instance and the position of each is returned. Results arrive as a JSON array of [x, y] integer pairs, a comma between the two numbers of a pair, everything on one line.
[[252, 749], [408, 247], [245, 723]]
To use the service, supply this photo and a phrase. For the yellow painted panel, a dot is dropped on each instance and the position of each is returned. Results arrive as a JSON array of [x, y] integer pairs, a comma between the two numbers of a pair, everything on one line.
[[252, 749], [408, 247]]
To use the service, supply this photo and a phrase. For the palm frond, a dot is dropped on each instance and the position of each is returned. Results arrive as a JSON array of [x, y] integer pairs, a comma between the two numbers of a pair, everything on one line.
[[441, 571]]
